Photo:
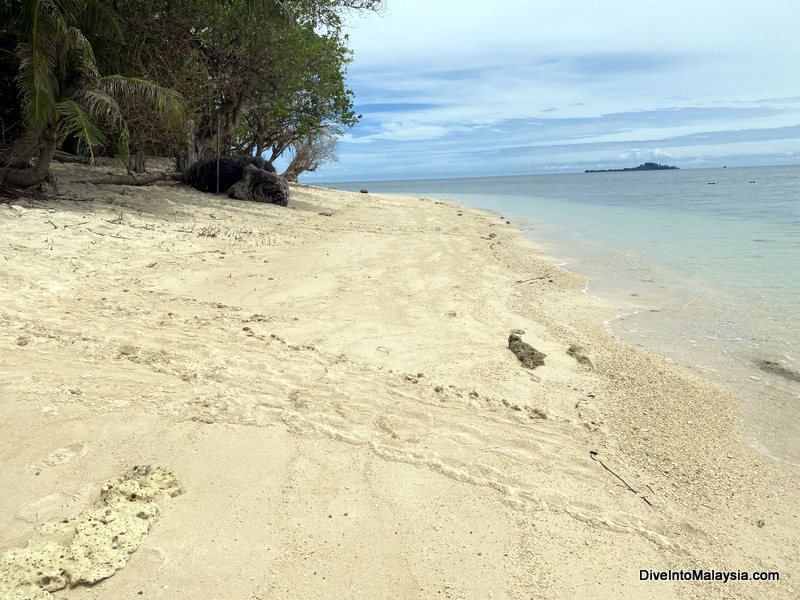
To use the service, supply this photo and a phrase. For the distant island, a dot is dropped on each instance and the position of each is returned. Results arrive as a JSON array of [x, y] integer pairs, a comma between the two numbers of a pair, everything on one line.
[[648, 166]]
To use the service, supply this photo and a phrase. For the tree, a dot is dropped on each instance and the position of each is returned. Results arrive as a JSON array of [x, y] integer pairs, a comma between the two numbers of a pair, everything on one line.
[[305, 96], [62, 93], [257, 75], [329, 14], [311, 152], [10, 110]]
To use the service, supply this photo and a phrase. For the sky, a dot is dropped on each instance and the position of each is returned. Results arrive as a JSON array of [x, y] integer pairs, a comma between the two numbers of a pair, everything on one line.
[[461, 88]]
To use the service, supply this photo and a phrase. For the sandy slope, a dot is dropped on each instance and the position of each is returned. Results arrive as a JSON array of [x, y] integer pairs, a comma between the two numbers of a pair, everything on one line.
[[336, 396]]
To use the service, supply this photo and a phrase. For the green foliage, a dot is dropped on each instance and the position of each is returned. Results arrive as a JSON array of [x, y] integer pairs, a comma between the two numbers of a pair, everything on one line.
[[329, 14], [60, 89], [255, 75], [76, 122], [304, 94]]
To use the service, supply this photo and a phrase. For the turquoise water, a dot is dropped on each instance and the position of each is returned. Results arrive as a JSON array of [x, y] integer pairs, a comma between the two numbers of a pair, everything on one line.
[[701, 266]]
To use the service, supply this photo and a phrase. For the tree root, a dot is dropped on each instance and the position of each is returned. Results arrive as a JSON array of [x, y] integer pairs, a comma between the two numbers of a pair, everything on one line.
[[146, 179]]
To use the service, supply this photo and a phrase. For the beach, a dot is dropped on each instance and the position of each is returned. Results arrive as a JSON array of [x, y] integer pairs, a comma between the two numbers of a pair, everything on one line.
[[332, 387]]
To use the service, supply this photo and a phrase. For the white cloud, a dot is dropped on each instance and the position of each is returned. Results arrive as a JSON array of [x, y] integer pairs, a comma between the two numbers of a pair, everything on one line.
[[511, 76], [403, 131]]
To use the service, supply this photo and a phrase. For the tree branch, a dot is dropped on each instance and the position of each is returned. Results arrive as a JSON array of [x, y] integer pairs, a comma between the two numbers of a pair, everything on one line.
[[136, 179]]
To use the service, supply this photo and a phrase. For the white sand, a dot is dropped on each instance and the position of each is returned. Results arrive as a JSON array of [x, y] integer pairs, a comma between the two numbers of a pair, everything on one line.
[[337, 398]]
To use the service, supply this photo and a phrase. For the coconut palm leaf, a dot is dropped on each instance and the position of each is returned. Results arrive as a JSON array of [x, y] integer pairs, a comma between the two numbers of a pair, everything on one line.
[[44, 34], [75, 121], [102, 107], [37, 88], [100, 16], [99, 104], [80, 55], [167, 102], [128, 90]]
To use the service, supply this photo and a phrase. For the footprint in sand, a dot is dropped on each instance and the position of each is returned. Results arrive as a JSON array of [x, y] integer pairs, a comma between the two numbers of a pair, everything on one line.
[[64, 455], [52, 507], [57, 504]]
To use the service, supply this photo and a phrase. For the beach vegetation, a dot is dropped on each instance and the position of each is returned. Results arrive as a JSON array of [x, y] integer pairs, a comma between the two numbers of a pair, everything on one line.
[[61, 93], [310, 152], [258, 76], [192, 78]]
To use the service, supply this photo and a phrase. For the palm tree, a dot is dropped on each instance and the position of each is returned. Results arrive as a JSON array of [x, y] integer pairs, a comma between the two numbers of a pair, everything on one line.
[[61, 90]]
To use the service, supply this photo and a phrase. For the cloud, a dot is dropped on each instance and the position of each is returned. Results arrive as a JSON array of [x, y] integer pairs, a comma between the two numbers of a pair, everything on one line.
[[404, 131], [513, 86], [393, 107]]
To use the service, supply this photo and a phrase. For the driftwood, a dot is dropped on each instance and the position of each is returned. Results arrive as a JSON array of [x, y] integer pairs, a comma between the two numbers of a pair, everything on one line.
[[258, 185], [66, 157], [245, 177], [146, 179], [202, 175]]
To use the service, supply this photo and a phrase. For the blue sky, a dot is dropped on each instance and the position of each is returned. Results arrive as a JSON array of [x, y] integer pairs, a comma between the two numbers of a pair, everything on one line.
[[451, 88]]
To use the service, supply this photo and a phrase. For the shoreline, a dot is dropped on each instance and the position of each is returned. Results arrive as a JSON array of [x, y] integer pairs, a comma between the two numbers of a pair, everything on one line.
[[321, 383], [645, 321], [653, 316]]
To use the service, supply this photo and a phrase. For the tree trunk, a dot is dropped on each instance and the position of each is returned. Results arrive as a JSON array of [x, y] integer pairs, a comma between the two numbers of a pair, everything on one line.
[[192, 154], [22, 150], [136, 163], [30, 176], [219, 125]]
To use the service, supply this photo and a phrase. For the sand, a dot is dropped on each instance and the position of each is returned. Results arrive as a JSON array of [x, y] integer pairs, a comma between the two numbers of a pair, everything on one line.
[[332, 387]]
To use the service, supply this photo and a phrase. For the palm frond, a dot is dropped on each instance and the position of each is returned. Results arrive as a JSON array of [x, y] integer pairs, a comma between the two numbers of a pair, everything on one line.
[[128, 90], [53, 36], [37, 88], [75, 121], [82, 54], [167, 102], [99, 104], [100, 16], [44, 34]]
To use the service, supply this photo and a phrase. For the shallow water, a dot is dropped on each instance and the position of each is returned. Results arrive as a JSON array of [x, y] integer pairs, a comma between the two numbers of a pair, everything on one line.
[[701, 266]]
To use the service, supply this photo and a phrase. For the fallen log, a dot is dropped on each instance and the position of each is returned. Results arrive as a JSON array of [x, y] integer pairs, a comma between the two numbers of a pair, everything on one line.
[[66, 157], [246, 178], [146, 179], [203, 175], [258, 185]]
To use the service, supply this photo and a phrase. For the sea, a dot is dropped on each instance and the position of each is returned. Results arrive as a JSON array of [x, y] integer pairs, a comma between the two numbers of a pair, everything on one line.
[[700, 266]]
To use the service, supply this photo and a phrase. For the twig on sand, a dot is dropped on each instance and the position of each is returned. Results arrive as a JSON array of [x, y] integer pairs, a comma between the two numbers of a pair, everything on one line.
[[121, 237], [593, 456], [546, 276], [9, 193]]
